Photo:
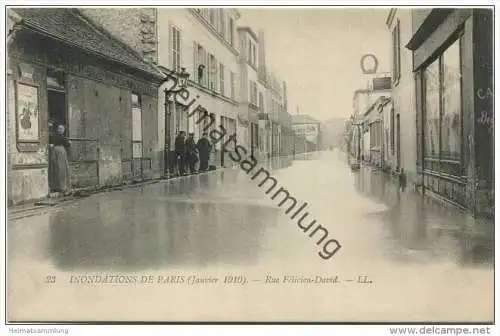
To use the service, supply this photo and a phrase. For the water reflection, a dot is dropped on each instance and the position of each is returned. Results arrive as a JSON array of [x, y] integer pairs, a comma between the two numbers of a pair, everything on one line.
[[417, 228], [138, 229]]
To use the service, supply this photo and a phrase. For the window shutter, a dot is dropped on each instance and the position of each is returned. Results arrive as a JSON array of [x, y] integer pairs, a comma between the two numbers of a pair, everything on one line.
[[195, 61], [207, 69], [179, 46], [216, 73]]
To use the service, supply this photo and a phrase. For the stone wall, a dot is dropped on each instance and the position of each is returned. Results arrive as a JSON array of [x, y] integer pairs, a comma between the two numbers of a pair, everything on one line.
[[135, 27]]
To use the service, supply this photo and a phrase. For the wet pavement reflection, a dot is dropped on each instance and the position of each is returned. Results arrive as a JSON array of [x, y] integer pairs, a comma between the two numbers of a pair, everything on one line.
[[420, 228], [221, 223]]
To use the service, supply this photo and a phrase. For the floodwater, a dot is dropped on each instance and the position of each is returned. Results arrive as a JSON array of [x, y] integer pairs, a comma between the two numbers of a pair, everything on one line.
[[216, 247]]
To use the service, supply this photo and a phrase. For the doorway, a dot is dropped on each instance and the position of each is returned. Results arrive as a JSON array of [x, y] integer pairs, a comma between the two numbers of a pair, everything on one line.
[[56, 105], [398, 142]]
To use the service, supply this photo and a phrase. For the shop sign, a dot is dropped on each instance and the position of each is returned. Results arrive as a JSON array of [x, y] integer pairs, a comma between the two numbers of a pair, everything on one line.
[[369, 64]]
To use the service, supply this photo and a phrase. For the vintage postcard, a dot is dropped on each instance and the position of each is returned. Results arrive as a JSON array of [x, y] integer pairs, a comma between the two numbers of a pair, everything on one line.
[[250, 164]]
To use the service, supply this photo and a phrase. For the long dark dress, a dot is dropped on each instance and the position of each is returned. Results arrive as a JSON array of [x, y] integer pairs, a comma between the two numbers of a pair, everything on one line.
[[58, 164], [180, 153], [191, 158], [204, 151]]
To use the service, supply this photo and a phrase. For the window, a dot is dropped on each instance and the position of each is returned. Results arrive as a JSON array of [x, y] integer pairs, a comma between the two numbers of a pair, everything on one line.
[[252, 53], [211, 17], [452, 103], [375, 135], [176, 48], [231, 31], [199, 54], [396, 54], [233, 85], [136, 126], [212, 77], [261, 102], [254, 133], [431, 78], [222, 22], [253, 93], [221, 78], [443, 112]]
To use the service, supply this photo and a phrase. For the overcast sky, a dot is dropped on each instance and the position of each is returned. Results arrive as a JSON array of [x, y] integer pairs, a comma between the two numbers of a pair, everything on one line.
[[317, 52]]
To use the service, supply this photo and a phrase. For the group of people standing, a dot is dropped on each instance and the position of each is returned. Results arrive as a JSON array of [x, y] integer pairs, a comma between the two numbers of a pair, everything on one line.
[[188, 152]]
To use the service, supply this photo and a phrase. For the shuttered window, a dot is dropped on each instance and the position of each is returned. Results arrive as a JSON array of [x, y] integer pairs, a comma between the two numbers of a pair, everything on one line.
[[175, 44]]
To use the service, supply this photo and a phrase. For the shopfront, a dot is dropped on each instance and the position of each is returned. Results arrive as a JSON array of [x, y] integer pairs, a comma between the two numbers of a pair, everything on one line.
[[102, 93], [452, 63]]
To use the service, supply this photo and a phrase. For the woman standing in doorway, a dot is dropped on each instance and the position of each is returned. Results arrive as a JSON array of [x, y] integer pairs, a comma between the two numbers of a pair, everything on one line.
[[59, 165]]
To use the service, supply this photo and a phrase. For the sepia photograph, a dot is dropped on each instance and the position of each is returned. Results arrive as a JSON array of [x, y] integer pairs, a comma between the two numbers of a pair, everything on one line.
[[215, 164]]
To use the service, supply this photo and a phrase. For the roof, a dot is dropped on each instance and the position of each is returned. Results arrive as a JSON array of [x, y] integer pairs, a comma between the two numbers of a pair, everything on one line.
[[70, 27], [304, 119]]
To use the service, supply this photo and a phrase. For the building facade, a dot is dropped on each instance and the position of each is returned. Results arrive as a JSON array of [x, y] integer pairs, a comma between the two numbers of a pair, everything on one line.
[[332, 133], [307, 131], [274, 94], [91, 82], [453, 70], [264, 133], [203, 42], [375, 134], [285, 119], [400, 121], [248, 127]]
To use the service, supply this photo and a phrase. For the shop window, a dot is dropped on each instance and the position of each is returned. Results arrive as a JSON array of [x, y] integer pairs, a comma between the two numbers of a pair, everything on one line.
[[442, 127], [452, 103]]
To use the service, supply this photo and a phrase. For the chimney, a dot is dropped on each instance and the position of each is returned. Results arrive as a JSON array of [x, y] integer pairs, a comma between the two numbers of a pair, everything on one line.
[[262, 56], [297, 113], [285, 100]]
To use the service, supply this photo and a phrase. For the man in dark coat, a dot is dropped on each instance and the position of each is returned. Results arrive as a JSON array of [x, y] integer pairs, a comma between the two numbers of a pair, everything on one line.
[[204, 147], [180, 151], [191, 157]]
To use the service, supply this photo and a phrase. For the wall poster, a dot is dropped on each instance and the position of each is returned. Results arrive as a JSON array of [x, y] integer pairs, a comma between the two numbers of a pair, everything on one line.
[[27, 113]]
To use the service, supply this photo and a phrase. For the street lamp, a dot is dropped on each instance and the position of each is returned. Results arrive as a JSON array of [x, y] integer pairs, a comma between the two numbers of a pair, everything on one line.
[[181, 81]]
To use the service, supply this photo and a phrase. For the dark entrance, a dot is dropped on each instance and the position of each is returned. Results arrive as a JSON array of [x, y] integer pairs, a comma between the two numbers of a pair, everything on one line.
[[56, 98]]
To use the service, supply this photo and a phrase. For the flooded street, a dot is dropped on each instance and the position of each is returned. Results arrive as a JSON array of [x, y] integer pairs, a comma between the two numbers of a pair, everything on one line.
[[167, 249]]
